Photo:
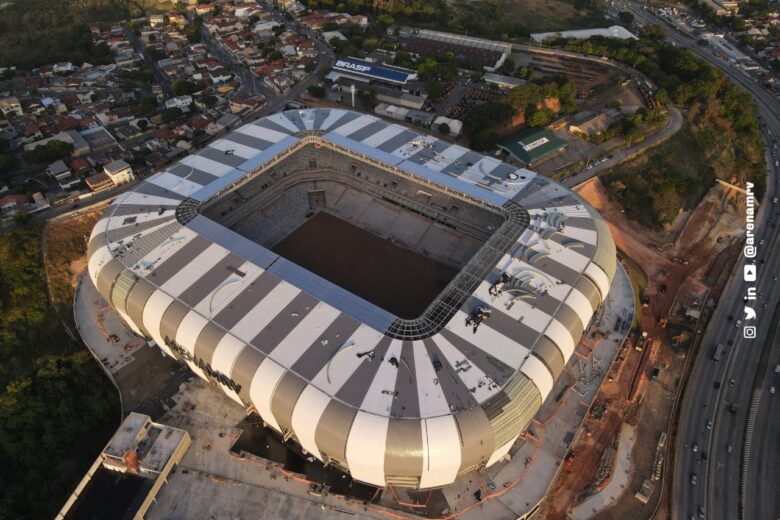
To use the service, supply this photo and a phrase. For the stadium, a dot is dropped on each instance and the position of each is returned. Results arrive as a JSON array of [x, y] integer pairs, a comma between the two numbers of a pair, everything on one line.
[[397, 305]]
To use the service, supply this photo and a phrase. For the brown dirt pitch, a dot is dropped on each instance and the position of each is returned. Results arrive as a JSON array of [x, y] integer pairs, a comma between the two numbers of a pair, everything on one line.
[[397, 279]]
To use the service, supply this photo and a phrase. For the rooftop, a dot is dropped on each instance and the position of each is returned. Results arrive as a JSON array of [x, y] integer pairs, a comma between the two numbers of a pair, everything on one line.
[[531, 145], [115, 167], [507, 323], [615, 31]]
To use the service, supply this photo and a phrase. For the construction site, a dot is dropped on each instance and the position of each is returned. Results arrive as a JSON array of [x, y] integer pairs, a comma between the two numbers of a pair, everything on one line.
[[677, 275]]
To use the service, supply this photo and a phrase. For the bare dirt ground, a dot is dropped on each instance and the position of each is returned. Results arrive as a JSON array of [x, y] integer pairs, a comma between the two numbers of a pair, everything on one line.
[[66, 246], [396, 279], [675, 264]]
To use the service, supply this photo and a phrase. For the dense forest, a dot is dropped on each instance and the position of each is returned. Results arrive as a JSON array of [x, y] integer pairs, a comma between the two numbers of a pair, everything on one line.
[[496, 19], [38, 32], [721, 135], [57, 409]]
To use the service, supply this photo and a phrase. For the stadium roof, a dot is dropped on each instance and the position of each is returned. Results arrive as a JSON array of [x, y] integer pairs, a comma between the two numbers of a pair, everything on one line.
[[616, 31], [468, 41], [409, 402], [531, 145], [355, 66]]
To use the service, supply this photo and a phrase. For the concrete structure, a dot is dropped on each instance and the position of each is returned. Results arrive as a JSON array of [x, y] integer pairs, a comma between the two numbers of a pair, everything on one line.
[[490, 54], [411, 116], [10, 106], [399, 98], [99, 182], [144, 450], [501, 81], [329, 35], [181, 102], [410, 402], [456, 125], [722, 7], [532, 145], [719, 44], [616, 31], [59, 171], [119, 172], [593, 124], [80, 145], [367, 72]]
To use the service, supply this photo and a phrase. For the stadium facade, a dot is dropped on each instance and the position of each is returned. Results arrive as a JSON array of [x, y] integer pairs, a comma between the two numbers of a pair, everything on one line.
[[186, 259]]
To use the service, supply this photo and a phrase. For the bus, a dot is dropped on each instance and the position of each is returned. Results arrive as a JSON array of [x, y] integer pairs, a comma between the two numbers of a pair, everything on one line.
[[718, 353]]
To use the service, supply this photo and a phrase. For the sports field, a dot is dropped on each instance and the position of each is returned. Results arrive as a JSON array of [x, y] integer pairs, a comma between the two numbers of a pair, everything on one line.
[[397, 279]]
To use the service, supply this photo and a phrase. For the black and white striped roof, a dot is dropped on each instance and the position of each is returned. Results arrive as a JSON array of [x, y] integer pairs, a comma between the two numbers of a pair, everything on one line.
[[323, 366]]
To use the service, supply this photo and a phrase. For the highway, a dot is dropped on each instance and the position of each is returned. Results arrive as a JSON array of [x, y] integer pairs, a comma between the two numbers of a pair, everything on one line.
[[718, 396]]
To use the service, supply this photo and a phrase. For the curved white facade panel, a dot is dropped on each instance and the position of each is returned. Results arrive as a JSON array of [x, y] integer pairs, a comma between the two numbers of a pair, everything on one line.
[[407, 402]]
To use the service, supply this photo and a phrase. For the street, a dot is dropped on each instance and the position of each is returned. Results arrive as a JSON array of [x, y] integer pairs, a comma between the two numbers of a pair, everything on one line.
[[252, 85]]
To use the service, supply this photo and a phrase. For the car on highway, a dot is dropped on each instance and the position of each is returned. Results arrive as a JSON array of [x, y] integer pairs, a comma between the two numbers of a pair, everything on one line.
[[704, 456], [772, 390], [695, 447], [693, 479], [732, 382], [738, 324], [701, 511], [709, 425], [729, 447]]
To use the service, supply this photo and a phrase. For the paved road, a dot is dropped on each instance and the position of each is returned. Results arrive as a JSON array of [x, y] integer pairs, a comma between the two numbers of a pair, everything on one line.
[[255, 85], [717, 491], [674, 123], [764, 458], [159, 77]]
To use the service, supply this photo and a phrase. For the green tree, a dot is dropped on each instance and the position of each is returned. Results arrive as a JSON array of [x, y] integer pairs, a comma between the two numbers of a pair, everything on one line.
[[47, 382], [508, 67], [209, 100], [184, 87], [154, 53], [485, 139], [653, 32], [626, 17], [7, 163], [170, 115], [48, 152], [192, 32], [147, 106], [444, 129], [317, 91], [542, 117], [435, 90]]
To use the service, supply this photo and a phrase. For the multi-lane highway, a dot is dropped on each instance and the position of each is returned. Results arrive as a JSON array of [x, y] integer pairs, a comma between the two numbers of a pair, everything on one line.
[[711, 434]]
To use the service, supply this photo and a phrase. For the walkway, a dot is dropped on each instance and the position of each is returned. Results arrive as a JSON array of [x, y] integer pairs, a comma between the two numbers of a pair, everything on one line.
[[540, 454], [618, 481]]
